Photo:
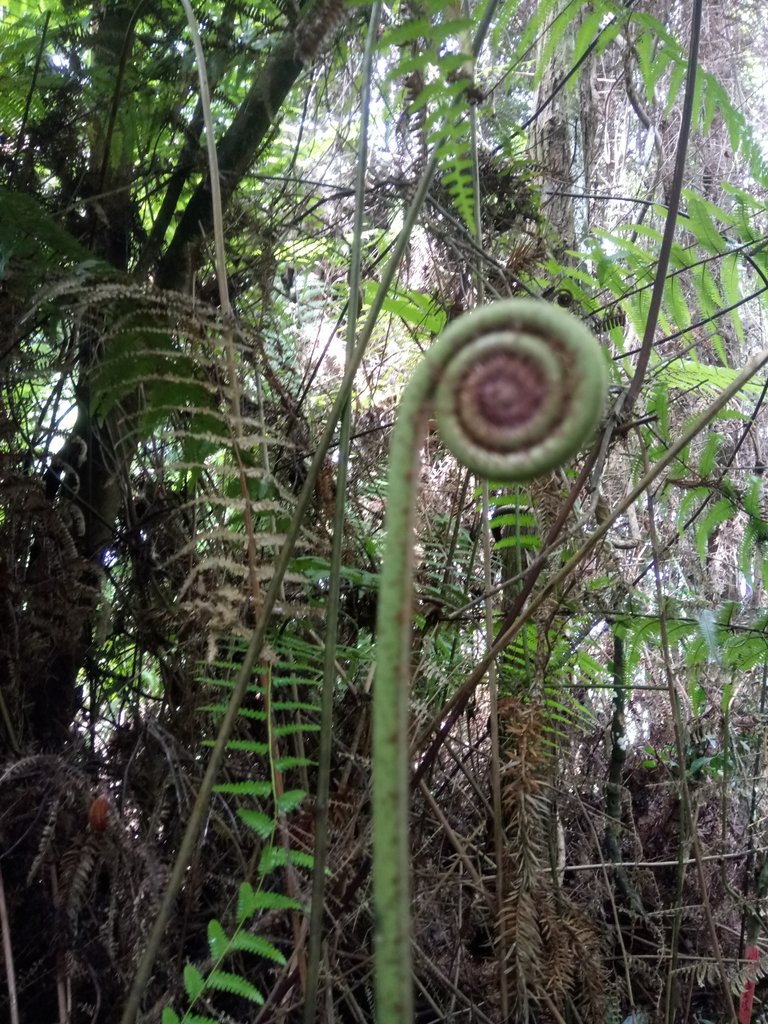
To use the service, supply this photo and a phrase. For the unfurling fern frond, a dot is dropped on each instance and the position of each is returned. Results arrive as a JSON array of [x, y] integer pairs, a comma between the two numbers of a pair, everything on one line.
[[612, 318]]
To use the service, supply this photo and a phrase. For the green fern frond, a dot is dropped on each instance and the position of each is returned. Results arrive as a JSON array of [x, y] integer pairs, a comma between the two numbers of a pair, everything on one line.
[[689, 375], [250, 787], [690, 500], [262, 824], [595, 35], [290, 800], [708, 457], [226, 981], [244, 746], [217, 939], [285, 764], [222, 946], [247, 942], [249, 900], [436, 52], [717, 514], [278, 857], [290, 729], [194, 982]]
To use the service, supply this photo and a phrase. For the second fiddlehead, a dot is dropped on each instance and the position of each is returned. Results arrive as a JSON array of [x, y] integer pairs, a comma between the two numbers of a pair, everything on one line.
[[518, 387]]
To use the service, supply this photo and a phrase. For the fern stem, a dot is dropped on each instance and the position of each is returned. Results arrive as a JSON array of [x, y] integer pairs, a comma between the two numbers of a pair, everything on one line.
[[340, 514], [518, 387], [213, 160]]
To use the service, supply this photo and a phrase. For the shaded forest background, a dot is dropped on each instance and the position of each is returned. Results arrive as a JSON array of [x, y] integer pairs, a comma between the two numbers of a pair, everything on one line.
[[192, 499]]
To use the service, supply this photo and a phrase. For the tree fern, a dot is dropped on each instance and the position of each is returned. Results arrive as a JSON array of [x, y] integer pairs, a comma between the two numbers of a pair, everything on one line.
[[435, 49]]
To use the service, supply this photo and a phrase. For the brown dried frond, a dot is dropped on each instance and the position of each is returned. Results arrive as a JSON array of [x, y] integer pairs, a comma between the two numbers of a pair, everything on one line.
[[753, 970], [76, 866], [46, 837], [525, 253], [559, 968], [524, 786], [590, 988], [552, 948], [519, 924]]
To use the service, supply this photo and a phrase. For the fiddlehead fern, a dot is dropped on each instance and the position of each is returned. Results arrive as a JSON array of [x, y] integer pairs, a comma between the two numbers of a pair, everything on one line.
[[518, 387]]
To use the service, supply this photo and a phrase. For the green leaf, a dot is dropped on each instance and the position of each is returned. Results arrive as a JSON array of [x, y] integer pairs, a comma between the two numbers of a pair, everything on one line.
[[319, 569], [555, 32], [654, 66], [276, 857], [226, 981], [720, 512], [439, 91], [708, 627], [658, 405], [34, 235], [702, 225], [608, 273], [256, 788], [194, 982], [690, 500], [283, 764], [246, 902], [217, 939], [709, 455], [698, 763], [595, 30], [535, 25], [290, 800], [290, 729], [525, 540], [746, 552], [261, 823], [674, 298], [247, 942], [418, 28], [524, 521], [422, 28], [170, 1016], [247, 746], [688, 375], [266, 900], [730, 279], [675, 81]]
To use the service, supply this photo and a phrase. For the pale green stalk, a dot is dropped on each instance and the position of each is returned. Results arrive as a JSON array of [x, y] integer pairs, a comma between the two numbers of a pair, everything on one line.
[[334, 587]]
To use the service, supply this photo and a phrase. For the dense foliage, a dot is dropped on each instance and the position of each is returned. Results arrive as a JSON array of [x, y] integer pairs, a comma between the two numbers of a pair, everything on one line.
[[201, 356]]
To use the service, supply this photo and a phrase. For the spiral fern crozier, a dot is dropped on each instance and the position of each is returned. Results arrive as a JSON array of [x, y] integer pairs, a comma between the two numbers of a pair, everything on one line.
[[518, 388], [522, 390]]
